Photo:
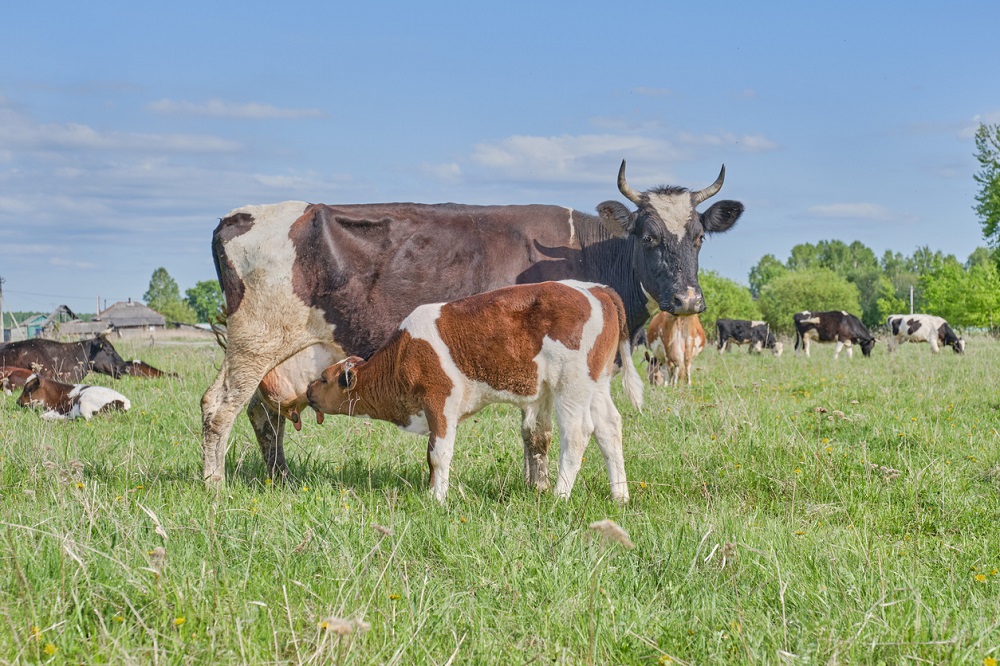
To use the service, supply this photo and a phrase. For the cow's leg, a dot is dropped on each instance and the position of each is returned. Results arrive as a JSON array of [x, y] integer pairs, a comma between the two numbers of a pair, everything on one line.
[[850, 349], [836, 350], [536, 431], [574, 432], [220, 405], [805, 345], [687, 368], [608, 431], [675, 374], [269, 426], [934, 343]]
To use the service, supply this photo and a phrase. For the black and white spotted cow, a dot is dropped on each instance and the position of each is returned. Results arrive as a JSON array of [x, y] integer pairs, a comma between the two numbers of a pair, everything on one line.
[[834, 326], [922, 328], [743, 331]]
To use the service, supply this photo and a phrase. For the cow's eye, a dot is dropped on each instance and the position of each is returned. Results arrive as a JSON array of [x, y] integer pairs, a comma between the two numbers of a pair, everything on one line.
[[322, 380], [648, 239]]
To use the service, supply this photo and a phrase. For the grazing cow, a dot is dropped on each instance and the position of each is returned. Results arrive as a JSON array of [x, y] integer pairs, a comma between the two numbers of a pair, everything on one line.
[[537, 346], [922, 328], [137, 368], [307, 285], [833, 326], [70, 401], [674, 342], [66, 361], [742, 331], [12, 378]]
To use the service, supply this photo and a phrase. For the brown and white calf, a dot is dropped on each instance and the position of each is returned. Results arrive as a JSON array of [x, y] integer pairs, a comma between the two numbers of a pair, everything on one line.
[[70, 401], [674, 342], [538, 346]]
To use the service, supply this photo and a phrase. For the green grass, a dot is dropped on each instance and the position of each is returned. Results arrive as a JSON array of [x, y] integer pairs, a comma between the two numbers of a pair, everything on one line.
[[763, 526]]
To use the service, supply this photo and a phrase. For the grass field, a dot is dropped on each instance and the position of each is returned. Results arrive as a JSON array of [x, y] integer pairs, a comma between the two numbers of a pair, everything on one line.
[[784, 510]]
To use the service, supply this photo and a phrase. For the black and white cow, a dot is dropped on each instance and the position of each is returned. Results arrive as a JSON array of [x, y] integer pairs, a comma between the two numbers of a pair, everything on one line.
[[922, 328], [309, 284], [757, 334], [834, 326]]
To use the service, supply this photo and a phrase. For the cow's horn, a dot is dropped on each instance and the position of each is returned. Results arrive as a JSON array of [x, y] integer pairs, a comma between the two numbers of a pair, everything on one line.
[[624, 188], [711, 190]]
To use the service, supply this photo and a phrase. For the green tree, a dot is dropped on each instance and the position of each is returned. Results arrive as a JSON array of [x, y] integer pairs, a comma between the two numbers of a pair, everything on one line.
[[767, 269], [724, 299], [988, 199], [205, 298], [164, 296], [964, 297], [814, 289], [980, 255]]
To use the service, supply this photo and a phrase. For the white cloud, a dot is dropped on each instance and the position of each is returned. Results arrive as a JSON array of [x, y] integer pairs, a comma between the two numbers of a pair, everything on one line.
[[18, 131], [217, 108], [582, 158], [856, 211], [68, 263], [751, 143], [969, 131]]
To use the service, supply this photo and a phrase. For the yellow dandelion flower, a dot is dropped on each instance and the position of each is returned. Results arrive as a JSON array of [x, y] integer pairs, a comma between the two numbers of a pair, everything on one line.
[[994, 572], [36, 633], [829, 449], [799, 532], [305, 489], [980, 578], [798, 471], [394, 597], [80, 485], [642, 484], [178, 621], [989, 661], [50, 649], [268, 482], [118, 618], [461, 519]]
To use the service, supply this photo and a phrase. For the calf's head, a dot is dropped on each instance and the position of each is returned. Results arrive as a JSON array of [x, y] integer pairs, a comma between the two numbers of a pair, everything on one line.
[[331, 393], [666, 233], [867, 345], [33, 393]]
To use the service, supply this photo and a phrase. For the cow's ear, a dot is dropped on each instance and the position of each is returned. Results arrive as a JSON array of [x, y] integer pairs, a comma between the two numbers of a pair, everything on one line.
[[34, 381], [616, 218], [721, 216]]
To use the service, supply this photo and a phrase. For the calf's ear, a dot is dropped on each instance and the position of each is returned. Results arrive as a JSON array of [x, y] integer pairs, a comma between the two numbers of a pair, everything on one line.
[[721, 216], [348, 379], [616, 218], [34, 381]]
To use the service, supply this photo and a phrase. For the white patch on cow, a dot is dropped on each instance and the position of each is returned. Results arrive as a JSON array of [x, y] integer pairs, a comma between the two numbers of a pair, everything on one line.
[[652, 305], [811, 320], [572, 227], [758, 323], [418, 424], [674, 210]]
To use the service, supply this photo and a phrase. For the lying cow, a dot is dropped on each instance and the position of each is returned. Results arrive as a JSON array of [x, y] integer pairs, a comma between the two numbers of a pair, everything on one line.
[[537, 346], [833, 326], [66, 361], [922, 328], [137, 368], [70, 401], [757, 334], [674, 342]]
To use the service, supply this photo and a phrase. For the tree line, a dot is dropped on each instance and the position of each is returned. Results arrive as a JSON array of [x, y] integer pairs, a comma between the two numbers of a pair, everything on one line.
[[201, 303]]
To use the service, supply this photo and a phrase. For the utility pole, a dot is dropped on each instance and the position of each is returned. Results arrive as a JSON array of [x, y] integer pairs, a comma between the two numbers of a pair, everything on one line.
[[2, 280], [911, 299]]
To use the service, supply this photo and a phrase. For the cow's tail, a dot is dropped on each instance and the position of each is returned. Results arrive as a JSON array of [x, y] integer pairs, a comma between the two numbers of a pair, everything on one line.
[[219, 326]]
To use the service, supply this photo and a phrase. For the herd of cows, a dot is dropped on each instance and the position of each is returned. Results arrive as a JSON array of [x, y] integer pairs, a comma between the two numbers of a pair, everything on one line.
[[423, 314]]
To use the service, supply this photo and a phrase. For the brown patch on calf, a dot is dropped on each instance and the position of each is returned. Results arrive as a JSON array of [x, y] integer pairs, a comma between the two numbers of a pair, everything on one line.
[[603, 352], [229, 228], [509, 326], [48, 393]]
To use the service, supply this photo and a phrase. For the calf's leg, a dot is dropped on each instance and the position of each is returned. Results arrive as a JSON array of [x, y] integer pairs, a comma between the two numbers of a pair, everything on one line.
[[536, 431], [269, 427], [572, 418], [608, 431]]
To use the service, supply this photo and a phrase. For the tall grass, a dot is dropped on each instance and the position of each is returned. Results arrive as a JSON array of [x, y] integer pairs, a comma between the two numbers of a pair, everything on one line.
[[782, 509]]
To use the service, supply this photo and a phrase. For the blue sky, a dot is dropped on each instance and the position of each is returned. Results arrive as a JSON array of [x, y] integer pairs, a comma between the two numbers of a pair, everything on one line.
[[128, 129]]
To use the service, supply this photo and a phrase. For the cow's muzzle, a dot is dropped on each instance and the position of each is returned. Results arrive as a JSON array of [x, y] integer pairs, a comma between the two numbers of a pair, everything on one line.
[[690, 302]]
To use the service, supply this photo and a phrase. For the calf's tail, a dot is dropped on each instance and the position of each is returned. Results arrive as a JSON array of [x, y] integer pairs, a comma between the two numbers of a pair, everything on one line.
[[631, 381]]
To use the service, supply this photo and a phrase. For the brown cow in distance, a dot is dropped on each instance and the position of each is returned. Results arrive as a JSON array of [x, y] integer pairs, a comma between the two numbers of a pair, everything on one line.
[[674, 342], [65, 361], [309, 284], [137, 368]]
